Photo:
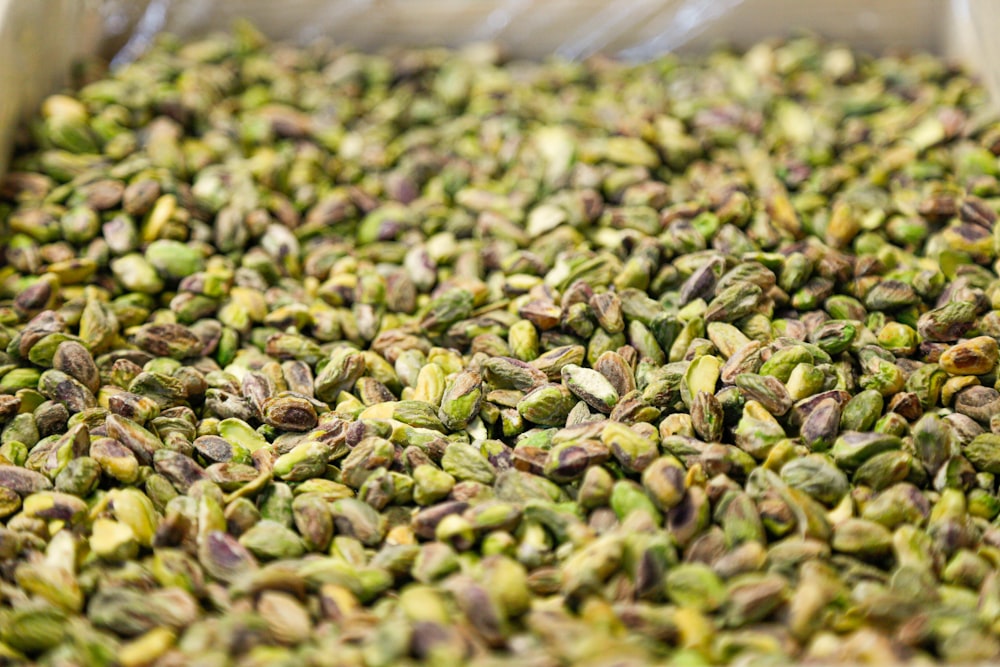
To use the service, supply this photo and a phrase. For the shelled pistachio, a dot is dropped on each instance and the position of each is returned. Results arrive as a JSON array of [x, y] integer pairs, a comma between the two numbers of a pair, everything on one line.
[[311, 356]]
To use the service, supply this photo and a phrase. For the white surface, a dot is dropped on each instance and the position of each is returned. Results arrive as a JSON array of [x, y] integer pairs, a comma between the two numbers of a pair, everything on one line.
[[573, 28]]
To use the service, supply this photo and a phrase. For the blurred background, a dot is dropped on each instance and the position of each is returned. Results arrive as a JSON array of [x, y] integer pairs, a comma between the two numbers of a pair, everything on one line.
[[40, 39], [536, 28]]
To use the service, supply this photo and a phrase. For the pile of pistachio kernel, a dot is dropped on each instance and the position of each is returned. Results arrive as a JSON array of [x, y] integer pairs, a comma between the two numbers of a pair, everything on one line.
[[315, 357]]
